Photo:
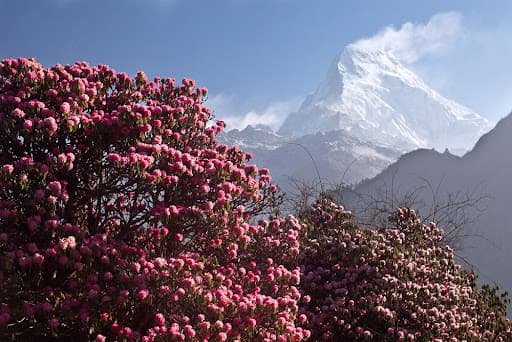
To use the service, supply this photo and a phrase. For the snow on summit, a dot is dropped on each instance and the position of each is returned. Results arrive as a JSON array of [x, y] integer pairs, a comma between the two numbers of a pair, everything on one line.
[[370, 108], [373, 96]]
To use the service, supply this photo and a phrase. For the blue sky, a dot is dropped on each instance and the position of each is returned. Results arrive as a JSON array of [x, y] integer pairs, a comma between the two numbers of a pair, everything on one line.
[[259, 58]]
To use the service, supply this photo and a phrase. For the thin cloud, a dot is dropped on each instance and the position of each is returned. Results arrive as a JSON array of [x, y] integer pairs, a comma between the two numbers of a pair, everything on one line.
[[413, 41], [273, 115]]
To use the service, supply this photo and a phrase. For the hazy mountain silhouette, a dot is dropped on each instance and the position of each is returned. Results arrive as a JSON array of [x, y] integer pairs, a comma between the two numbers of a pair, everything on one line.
[[480, 182]]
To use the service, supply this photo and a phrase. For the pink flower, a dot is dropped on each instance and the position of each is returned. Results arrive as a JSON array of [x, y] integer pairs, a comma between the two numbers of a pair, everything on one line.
[[38, 259], [27, 124], [18, 113], [135, 267], [303, 319], [7, 168], [51, 125], [159, 319], [71, 242], [52, 93], [189, 331], [54, 323], [145, 128], [160, 262], [114, 157], [127, 331], [65, 107], [143, 294], [61, 158], [251, 322], [55, 187]]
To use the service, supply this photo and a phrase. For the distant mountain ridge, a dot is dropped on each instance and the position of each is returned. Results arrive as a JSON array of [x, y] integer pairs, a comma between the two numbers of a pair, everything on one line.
[[483, 172], [337, 157]]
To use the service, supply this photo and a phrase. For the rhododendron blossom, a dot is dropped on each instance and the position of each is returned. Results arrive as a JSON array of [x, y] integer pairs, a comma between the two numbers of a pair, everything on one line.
[[393, 284], [122, 218]]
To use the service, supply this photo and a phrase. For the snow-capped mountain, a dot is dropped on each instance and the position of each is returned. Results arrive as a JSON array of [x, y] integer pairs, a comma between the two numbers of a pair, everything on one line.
[[374, 97], [253, 137], [368, 111]]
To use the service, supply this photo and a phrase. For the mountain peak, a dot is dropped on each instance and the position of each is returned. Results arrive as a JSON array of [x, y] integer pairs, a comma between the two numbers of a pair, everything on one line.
[[375, 97], [358, 53]]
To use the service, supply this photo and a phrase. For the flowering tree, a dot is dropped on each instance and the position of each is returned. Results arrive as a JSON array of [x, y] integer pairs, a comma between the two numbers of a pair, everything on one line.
[[395, 284], [122, 218]]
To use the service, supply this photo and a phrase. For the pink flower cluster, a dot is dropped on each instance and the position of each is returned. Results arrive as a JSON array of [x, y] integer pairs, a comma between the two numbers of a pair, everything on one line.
[[397, 284], [122, 217]]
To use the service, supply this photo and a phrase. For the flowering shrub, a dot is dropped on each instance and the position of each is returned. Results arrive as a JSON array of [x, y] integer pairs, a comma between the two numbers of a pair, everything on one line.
[[393, 284], [122, 218]]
